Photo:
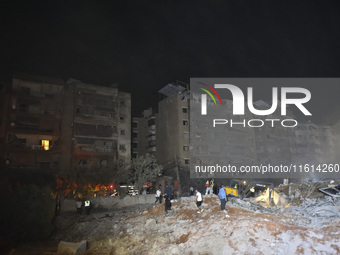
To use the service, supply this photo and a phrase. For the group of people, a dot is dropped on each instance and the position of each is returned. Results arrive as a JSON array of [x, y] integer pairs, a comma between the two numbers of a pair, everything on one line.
[[221, 194], [87, 206], [167, 197]]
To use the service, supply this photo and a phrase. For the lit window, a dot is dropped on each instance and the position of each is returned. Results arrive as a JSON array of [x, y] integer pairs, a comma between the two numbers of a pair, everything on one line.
[[45, 144]]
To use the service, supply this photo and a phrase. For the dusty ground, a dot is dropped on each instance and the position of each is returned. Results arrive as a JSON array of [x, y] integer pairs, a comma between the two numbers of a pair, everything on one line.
[[141, 230]]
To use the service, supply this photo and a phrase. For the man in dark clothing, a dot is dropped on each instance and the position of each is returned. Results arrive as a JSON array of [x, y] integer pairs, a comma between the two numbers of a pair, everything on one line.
[[167, 204], [168, 191]]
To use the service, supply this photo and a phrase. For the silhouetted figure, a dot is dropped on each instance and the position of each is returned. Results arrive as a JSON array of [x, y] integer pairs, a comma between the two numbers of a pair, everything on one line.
[[79, 205], [87, 206]]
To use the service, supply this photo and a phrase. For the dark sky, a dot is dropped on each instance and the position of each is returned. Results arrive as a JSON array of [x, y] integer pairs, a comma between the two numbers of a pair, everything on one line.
[[144, 45]]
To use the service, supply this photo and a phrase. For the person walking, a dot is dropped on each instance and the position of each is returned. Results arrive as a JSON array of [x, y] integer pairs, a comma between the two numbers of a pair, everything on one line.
[[158, 196], [199, 201], [223, 196], [168, 191]]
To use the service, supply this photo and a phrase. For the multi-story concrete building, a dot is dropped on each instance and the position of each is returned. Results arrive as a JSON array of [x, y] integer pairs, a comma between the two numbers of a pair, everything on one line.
[[194, 142], [144, 133], [4, 111], [173, 125], [224, 144], [34, 123], [273, 142], [67, 126], [314, 144], [134, 137]]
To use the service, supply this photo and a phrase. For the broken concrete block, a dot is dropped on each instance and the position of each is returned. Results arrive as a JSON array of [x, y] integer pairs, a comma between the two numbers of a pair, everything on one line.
[[150, 224], [276, 197], [72, 248]]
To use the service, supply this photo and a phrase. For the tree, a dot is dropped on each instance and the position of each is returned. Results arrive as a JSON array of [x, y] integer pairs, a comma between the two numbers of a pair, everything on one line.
[[144, 169]]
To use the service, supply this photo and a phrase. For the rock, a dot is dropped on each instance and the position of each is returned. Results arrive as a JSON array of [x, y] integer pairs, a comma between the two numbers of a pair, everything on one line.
[[150, 224], [72, 248], [175, 251], [170, 220]]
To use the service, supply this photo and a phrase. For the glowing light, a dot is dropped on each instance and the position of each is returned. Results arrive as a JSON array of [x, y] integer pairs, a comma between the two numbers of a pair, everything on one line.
[[45, 144]]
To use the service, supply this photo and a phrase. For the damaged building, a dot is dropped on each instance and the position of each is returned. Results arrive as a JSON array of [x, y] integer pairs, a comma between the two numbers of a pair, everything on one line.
[[165, 134], [193, 142], [66, 126], [144, 134]]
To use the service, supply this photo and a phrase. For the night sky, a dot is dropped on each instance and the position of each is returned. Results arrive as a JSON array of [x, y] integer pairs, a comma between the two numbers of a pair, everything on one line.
[[144, 45]]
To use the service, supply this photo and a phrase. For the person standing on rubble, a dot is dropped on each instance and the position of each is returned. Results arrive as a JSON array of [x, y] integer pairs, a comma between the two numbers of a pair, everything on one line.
[[223, 196], [87, 206], [207, 186], [167, 203], [158, 196], [79, 206], [168, 191], [211, 186], [199, 201]]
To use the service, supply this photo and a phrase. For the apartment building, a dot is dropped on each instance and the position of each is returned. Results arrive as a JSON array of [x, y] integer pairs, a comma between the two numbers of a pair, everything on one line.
[[33, 125], [66, 126], [173, 125], [144, 133]]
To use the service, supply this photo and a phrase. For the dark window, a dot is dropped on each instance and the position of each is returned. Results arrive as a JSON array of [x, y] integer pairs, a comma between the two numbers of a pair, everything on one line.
[[22, 140], [184, 110], [25, 91], [151, 122], [134, 124], [186, 161], [185, 123], [82, 162], [22, 107], [122, 118], [44, 165], [185, 148], [122, 132], [49, 96]]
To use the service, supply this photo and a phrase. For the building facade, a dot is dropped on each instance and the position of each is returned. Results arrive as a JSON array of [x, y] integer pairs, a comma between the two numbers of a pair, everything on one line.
[[173, 128], [144, 133], [66, 126]]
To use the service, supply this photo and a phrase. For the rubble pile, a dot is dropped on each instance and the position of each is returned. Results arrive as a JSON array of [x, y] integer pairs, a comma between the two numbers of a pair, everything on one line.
[[302, 198], [185, 231], [311, 226]]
